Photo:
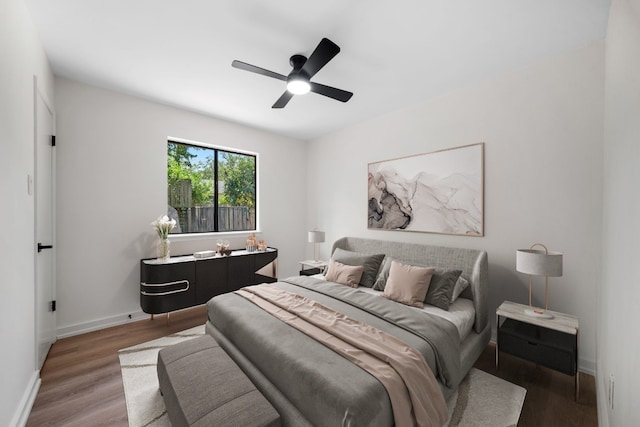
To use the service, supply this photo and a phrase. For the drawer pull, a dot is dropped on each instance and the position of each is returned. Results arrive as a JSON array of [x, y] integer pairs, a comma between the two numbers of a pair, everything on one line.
[[159, 294], [532, 343]]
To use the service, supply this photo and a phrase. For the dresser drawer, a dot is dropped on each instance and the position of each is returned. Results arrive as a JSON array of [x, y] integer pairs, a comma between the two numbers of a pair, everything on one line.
[[549, 348], [166, 287]]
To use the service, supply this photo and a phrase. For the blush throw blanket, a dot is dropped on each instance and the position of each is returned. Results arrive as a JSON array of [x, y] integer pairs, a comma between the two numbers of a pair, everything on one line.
[[413, 390]]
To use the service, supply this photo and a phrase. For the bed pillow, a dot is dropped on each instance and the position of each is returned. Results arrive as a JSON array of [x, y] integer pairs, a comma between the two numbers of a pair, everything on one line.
[[460, 286], [383, 274], [441, 288], [408, 284], [344, 274], [370, 264]]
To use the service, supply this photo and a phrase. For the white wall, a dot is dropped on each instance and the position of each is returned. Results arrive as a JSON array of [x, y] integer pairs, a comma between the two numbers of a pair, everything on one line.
[[111, 183], [618, 348], [21, 57], [542, 127]]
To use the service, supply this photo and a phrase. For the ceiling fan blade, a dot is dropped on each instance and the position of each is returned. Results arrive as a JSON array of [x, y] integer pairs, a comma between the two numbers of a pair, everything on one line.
[[283, 100], [248, 67], [324, 52], [331, 92]]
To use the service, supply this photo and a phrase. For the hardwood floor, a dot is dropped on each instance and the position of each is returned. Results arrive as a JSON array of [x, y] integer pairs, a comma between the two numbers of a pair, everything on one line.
[[81, 380], [82, 386], [550, 399]]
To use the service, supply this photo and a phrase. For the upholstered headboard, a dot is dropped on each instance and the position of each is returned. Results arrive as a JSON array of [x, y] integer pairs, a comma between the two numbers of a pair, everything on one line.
[[472, 262]]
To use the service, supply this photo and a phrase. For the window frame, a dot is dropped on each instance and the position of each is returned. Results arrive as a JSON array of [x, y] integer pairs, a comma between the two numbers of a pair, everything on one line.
[[217, 234]]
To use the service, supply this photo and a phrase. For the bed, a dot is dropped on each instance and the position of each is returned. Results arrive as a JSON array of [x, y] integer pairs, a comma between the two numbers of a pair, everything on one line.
[[310, 384]]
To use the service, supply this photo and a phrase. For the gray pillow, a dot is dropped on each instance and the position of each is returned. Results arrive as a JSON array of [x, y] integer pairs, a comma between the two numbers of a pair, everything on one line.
[[460, 286], [383, 274], [441, 288], [371, 264]]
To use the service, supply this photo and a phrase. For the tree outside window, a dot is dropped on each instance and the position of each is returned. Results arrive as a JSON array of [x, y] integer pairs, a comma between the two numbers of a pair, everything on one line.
[[210, 189]]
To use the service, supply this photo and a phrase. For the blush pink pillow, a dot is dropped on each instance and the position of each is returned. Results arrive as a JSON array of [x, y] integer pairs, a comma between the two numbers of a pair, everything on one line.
[[408, 284], [349, 275]]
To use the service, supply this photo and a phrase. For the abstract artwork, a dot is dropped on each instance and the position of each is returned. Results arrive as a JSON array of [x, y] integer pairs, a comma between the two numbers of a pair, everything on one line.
[[438, 192]]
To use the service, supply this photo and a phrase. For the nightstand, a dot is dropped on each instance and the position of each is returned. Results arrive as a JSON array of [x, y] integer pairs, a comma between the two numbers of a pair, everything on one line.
[[311, 267], [552, 343]]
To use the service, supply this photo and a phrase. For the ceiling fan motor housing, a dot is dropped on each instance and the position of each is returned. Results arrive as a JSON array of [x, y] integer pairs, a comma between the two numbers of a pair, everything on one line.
[[297, 61]]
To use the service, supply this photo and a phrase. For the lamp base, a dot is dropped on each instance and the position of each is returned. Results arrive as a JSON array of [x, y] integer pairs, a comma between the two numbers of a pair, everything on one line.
[[538, 312]]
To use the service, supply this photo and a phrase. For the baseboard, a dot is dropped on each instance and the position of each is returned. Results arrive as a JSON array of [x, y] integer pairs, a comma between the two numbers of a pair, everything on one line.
[[587, 366], [21, 415], [602, 401], [98, 324]]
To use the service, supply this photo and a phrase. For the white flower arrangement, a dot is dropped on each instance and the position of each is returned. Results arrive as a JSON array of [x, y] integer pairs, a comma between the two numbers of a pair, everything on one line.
[[163, 226]]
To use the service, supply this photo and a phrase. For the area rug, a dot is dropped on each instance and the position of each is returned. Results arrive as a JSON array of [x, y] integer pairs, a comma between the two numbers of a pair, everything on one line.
[[481, 399], [484, 400], [145, 406]]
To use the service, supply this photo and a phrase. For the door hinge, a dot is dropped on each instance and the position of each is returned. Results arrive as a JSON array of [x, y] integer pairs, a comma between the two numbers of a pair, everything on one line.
[[53, 140], [52, 305], [41, 247]]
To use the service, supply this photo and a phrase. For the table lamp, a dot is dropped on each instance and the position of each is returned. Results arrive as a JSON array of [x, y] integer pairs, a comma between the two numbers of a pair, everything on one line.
[[535, 262], [316, 237]]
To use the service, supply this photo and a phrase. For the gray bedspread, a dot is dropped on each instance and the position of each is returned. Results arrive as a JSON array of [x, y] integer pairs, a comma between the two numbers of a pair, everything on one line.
[[325, 387]]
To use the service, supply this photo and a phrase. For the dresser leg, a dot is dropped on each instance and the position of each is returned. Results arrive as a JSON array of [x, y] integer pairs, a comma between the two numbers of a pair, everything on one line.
[[497, 334], [577, 370]]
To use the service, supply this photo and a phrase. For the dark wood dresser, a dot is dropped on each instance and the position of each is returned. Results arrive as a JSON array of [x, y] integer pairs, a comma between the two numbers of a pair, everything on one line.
[[186, 281]]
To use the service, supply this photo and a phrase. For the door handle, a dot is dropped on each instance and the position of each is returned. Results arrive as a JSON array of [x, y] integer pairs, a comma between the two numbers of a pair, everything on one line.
[[41, 247]]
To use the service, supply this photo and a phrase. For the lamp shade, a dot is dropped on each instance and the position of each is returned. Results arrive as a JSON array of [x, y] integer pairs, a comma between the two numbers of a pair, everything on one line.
[[539, 263], [316, 236]]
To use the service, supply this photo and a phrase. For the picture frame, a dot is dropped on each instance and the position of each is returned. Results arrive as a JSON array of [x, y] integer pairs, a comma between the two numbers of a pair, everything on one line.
[[438, 192]]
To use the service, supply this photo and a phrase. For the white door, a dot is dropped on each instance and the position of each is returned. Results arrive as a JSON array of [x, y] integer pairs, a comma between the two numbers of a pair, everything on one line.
[[44, 185]]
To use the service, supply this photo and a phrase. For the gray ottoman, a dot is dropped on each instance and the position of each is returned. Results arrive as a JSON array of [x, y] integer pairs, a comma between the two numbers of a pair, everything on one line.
[[202, 386]]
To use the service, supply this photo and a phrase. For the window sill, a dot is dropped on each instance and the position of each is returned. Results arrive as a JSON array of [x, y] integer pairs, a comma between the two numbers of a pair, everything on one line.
[[208, 236]]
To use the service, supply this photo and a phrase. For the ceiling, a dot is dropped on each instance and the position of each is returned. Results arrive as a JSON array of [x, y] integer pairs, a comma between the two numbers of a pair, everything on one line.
[[393, 54]]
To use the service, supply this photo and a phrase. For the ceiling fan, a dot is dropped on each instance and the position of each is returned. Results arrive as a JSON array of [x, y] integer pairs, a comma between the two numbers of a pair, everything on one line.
[[299, 79]]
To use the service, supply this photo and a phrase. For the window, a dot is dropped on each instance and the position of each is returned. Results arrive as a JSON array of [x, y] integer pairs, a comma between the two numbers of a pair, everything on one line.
[[210, 189]]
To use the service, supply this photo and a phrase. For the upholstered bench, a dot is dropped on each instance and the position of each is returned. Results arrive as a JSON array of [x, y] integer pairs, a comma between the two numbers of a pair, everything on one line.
[[202, 386]]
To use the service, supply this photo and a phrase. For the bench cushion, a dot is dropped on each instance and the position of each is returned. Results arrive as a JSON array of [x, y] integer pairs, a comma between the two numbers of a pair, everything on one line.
[[202, 386]]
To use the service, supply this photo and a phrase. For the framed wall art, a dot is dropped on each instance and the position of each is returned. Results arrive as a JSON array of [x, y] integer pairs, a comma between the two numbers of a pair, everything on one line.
[[438, 192]]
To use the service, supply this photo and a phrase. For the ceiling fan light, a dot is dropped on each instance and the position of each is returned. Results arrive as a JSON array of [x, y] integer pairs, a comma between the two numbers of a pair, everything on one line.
[[298, 86]]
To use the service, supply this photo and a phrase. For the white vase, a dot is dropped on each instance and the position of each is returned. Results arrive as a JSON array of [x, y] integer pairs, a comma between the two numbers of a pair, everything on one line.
[[164, 249]]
